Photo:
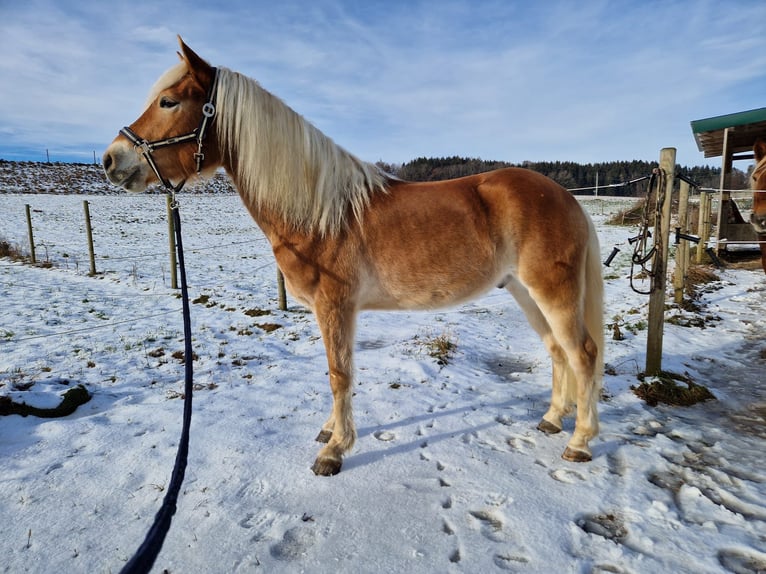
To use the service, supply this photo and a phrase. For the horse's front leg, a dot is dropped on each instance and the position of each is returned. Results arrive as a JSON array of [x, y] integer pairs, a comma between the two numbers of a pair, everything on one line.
[[339, 432]]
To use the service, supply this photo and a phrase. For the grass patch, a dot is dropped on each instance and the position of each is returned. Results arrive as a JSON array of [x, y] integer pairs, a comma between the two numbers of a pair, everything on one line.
[[671, 389], [268, 327], [629, 216], [204, 300], [10, 251], [257, 312], [181, 356], [439, 347]]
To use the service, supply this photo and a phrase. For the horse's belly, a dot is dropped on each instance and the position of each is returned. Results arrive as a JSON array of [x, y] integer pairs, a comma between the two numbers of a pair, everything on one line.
[[418, 291]]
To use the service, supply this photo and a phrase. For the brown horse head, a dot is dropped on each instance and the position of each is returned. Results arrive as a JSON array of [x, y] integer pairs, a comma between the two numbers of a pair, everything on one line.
[[174, 108], [758, 219]]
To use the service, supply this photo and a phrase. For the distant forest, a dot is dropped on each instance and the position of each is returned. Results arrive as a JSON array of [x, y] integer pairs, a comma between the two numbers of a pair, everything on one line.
[[568, 174]]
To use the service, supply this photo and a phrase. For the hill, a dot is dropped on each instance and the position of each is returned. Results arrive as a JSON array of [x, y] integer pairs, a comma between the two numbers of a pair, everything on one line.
[[80, 178]]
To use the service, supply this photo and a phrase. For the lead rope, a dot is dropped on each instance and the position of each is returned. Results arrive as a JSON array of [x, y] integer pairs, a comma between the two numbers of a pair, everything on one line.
[[147, 553]]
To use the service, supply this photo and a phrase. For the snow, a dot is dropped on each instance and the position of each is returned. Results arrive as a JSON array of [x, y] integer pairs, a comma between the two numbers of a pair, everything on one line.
[[448, 473]]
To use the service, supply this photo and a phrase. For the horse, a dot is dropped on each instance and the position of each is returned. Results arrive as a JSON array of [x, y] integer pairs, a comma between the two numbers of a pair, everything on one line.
[[758, 217], [349, 237]]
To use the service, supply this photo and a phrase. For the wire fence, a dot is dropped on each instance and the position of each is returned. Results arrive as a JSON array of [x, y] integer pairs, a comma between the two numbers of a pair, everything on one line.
[[131, 249]]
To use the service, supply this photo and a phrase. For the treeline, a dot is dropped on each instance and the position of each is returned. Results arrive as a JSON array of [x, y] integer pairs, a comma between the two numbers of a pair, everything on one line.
[[569, 174]]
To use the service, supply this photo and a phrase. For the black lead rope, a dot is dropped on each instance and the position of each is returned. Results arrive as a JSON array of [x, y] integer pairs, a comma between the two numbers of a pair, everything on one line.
[[147, 553]]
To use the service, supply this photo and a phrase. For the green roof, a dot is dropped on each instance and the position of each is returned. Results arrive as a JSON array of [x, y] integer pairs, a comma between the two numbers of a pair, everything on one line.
[[744, 129]]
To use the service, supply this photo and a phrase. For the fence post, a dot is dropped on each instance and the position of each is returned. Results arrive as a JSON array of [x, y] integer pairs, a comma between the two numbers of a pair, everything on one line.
[[682, 249], [172, 244], [30, 235], [281, 290], [656, 317], [89, 233], [703, 224]]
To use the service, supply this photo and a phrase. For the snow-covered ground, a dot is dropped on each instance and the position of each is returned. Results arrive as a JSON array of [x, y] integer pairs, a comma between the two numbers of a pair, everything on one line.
[[448, 474]]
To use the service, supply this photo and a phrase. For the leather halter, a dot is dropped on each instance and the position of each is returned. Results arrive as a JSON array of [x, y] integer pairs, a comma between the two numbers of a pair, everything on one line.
[[199, 134]]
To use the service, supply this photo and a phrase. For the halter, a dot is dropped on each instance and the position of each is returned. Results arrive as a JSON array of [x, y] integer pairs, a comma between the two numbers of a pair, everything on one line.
[[147, 147]]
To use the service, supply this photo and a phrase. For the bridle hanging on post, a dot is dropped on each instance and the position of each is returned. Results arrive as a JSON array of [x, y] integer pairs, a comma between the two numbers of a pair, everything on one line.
[[144, 558]]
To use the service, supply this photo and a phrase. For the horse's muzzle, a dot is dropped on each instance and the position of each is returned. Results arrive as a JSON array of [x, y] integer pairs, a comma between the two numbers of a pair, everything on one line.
[[124, 169], [758, 221]]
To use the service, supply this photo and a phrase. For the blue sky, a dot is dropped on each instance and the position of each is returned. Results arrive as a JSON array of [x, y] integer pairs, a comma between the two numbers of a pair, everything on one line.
[[508, 80]]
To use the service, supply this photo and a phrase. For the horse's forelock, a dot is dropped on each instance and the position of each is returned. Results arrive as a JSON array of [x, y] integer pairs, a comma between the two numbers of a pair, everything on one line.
[[169, 78]]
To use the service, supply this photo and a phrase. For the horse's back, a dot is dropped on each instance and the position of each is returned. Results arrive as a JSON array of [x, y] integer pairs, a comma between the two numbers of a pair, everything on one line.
[[514, 206], [435, 243]]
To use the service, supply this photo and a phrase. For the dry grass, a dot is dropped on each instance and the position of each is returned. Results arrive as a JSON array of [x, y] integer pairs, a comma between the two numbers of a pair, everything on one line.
[[439, 347], [10, 251], [628, 216], [671, 389]]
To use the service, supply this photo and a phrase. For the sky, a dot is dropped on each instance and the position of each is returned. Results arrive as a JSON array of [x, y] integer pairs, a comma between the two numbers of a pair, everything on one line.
[[507, 80]]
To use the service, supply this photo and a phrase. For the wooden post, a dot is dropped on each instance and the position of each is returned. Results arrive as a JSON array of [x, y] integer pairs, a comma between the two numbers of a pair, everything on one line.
[[724, 195], [89, 234], [30, 235], [682, 249], [172, 244], [704, 226], [281, 290], [656, 317]]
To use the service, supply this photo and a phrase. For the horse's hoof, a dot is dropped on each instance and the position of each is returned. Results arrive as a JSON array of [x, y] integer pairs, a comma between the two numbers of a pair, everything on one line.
[[324, 436], [573, 455], [548, 428], [326, 466]]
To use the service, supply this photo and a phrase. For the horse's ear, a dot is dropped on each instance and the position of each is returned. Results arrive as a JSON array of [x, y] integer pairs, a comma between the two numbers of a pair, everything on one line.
[[759, 149], [197, 66]]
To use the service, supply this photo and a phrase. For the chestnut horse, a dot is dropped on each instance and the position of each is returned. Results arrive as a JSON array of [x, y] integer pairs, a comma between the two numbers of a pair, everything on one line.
[[349, 237], [758, 218]]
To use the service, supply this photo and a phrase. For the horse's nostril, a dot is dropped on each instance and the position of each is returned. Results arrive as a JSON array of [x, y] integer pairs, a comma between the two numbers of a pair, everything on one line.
[[107, 161]]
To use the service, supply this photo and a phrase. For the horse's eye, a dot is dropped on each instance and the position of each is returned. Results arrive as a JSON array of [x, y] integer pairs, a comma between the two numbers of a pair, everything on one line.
[[167, 103]]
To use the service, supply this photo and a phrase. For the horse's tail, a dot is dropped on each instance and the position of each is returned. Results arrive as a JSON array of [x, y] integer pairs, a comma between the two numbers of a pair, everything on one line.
[[594, 301], [593, 314]]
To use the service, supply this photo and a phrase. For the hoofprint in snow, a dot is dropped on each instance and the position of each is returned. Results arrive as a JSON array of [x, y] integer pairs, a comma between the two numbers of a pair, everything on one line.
[[448, 474]]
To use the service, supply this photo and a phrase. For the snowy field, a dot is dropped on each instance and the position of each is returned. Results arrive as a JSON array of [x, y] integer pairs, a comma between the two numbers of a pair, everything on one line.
[[448, 474]]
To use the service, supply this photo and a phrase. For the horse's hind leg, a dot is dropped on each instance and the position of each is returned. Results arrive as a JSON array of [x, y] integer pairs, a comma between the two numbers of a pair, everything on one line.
[[561, 405], [339, 432], [573, 353], [581, 353]]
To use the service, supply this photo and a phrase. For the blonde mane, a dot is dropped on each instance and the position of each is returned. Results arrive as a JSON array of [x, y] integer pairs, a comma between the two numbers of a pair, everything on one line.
[[286, 164]]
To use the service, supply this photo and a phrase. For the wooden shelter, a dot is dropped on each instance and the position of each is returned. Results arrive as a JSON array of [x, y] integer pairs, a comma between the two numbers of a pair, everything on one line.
[[731, 137]]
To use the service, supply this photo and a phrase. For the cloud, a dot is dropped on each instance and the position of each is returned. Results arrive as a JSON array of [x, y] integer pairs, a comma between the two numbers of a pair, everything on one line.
[[393, 80]]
